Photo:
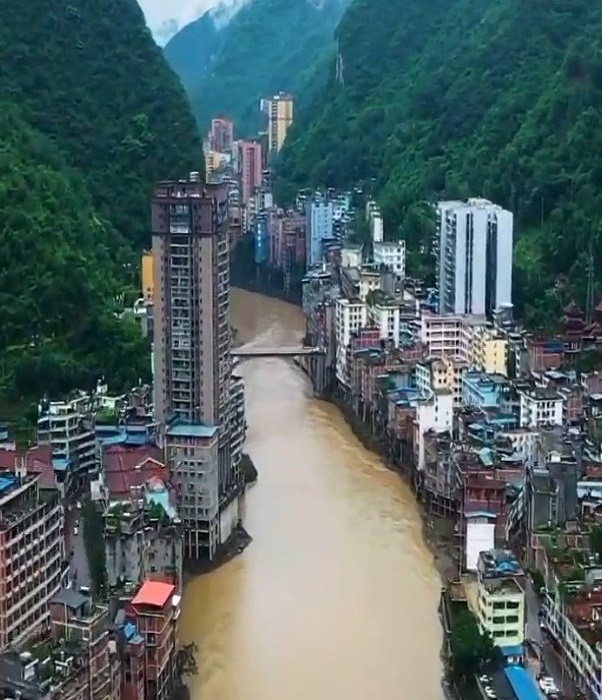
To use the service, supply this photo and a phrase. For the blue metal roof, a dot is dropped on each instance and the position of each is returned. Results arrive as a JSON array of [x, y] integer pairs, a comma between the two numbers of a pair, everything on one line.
[[60, 464], [192, 430], [120, 439], [106, 429], [480, 514], [512, 650], [131, 634], [137, 439], [522, 683], [7, 482]]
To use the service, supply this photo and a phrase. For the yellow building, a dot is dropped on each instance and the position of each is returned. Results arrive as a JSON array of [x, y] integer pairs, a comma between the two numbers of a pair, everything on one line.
[[210, 163], [148, 276], [280, 114], [445, 373], [500, 598], [489, 351]]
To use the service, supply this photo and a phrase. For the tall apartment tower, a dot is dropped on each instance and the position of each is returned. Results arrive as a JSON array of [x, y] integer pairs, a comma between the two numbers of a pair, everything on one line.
[[192, 364], [280, 116], [475, 257], [319, 228], [222, 135], [251, 167]]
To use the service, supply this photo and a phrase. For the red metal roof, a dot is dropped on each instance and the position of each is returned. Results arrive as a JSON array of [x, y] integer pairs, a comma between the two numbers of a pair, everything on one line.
[[38, 461], [127, 467], [154, 594]]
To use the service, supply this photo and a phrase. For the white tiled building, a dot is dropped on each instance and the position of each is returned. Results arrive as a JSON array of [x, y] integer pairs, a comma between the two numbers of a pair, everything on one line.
[[392, 255], [351, 315], [540, 408], [475, 257]]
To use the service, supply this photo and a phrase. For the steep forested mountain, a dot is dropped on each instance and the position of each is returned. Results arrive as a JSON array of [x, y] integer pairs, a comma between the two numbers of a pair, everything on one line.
[[90, 117], [189, 51], [268, 47], [455, 98]]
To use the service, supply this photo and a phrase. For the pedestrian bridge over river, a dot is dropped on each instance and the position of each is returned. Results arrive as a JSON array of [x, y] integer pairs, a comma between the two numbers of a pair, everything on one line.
[[276, 351]]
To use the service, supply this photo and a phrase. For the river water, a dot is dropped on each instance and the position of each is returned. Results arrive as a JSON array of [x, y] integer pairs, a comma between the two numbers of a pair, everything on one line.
[[336, 597]]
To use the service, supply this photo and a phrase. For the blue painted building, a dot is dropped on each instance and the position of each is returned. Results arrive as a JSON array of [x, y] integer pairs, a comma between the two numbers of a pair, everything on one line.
[[319, 214], [482, 390], [261, 239]]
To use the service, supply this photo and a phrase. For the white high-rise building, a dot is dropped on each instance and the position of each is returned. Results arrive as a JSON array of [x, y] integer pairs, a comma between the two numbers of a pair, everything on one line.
[[475, 257]]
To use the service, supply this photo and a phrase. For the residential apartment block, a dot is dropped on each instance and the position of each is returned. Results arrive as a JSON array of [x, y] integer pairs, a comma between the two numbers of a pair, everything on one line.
[[318, 228], [149, 630], [68, 427], [392, 255], [280, 118], [375, 221], [500, 604], [475, 257], [251, 166], [75, 660], [193, 367], [144, 538], [469, 338], [221, 135], [32, 554]]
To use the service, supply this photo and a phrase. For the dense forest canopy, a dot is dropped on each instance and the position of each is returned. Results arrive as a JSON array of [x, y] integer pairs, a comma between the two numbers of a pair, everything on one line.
[[269, 46], [88, 75], [90, 117], [457, 98]]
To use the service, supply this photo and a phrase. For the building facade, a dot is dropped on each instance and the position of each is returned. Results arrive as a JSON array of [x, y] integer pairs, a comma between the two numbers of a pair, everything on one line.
[[250, 164], [318, 228], [500, 605], [148, 279], [261, 238], [222, 135], [280, 117], [155, 610], [192, 362], [68, 427], [392, 255], [32, 553], [475, 257]]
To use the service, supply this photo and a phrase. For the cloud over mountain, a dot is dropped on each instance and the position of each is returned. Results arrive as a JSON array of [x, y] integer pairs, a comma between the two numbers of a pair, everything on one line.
[[165, 18]]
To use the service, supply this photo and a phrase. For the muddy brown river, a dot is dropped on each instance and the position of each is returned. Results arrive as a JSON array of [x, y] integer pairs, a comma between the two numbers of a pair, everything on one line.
[[336, 597]]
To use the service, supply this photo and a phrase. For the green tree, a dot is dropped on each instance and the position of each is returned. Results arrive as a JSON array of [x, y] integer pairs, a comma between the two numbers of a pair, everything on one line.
[[95, 547], [469, 647], [457, 98]]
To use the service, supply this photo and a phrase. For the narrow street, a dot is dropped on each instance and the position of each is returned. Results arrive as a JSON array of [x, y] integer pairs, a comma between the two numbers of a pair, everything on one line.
[[552, 661], [80, 571]]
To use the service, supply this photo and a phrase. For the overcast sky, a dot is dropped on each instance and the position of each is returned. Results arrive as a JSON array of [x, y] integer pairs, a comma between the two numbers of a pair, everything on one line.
[[183, 11]]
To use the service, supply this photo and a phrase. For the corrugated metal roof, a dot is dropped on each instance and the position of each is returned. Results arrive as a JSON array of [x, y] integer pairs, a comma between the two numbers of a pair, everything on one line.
[[154, 593]]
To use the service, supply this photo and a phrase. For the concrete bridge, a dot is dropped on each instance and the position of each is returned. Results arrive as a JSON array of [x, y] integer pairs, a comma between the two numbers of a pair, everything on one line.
[[276, 351]]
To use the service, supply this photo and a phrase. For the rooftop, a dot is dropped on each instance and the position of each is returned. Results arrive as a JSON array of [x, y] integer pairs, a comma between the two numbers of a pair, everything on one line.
[[7, 482], [154, 594], [522, 683], [499, 562], [191, 430], [126, 467]]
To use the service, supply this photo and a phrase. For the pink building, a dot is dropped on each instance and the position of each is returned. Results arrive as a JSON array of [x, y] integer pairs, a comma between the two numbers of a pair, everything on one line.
[[222, 135], [250, 168], [287, 239]]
